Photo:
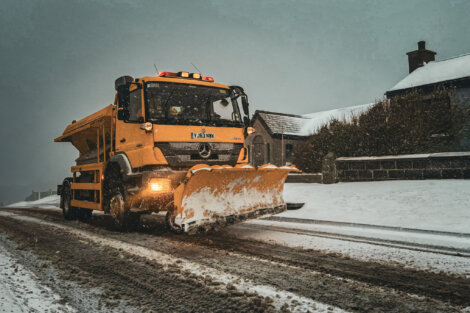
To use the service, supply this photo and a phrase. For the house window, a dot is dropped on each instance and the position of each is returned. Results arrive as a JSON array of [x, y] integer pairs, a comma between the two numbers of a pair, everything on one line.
[[268, 153], [289, 150]]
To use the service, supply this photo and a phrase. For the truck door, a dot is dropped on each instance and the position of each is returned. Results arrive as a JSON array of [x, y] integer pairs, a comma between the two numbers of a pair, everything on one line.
[[130, 138]]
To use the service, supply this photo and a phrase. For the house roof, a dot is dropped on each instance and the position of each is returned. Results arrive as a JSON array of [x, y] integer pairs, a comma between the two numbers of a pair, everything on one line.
[[319, 119], [281, 123], [307, 124], [436, 72]]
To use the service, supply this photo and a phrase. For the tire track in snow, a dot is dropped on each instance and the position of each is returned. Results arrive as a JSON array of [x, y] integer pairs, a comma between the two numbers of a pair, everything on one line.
[[368, 240]]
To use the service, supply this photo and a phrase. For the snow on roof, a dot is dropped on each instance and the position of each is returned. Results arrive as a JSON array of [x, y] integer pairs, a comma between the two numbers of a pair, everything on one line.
[[434, 72], [319, 119], [286, 124], [308, 124]]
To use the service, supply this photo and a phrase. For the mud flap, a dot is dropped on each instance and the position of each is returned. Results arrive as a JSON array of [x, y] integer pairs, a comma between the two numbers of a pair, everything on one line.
[[220, 195]]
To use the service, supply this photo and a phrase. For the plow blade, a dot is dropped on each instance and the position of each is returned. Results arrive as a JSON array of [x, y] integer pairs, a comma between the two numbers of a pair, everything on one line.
[[213, 196]]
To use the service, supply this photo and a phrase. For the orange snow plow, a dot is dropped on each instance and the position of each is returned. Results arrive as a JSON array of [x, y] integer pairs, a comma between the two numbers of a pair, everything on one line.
[[174, 143], [213, 196]]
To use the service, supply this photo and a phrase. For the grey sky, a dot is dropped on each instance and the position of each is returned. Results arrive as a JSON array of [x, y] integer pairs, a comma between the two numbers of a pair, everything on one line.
[[59, 59]]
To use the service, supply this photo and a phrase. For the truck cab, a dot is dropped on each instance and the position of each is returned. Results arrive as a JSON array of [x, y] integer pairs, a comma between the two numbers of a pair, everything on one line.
[[178, 120]]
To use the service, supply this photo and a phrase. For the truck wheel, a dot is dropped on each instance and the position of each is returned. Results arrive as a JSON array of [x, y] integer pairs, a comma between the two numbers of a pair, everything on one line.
[[170, 222], [118, 210], [69, 212]]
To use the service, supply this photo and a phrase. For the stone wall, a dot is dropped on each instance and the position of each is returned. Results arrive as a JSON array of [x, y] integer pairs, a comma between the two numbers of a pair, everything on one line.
[[414, 166], [309, 178]]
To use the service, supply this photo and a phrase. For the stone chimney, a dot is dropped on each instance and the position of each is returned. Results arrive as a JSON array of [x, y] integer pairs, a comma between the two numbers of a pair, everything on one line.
[[418, 57]]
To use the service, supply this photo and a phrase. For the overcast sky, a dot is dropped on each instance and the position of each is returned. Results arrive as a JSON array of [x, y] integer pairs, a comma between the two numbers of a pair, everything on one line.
[[59, 60]]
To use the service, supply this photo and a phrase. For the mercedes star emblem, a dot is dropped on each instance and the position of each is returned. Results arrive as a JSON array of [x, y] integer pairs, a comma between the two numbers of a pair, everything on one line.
[[204, 150]]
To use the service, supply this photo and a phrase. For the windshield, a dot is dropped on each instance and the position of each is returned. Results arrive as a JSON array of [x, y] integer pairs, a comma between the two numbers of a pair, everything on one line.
[[173, 103]]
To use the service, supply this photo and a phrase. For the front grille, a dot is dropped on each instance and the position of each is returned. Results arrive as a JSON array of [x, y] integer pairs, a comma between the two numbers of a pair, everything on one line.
[[187, 153], [198, 157]]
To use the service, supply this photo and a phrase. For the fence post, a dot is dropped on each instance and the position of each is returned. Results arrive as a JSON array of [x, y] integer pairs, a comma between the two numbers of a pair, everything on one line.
[[329, 169]]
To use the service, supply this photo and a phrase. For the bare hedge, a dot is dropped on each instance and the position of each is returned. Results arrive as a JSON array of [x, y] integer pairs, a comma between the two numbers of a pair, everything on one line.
[[412, 123]]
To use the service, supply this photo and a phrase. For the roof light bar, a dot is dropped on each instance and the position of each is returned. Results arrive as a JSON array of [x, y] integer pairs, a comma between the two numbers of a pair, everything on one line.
[[186, 75], [167, 74], [207, 78]]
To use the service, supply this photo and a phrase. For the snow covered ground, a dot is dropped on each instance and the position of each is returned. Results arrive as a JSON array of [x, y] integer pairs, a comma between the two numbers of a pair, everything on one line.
[[436, 205], [442, 205], [46, 203], [21, 291]]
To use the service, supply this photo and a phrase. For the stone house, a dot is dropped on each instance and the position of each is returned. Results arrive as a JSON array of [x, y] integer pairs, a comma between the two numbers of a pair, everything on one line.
[[275, 137], [426, 74]]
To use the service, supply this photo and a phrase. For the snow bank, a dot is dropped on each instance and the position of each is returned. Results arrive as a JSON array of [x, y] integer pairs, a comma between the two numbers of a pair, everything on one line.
[[426, 204], [46, 203]]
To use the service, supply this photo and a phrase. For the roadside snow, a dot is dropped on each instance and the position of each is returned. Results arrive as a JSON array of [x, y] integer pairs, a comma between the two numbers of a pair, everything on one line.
[[45, 203], [394, 237], [442, 205], [361, 251], [20, 290]]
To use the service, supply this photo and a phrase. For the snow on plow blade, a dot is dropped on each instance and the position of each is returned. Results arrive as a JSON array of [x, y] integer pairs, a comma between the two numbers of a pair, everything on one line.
[[212, 196]]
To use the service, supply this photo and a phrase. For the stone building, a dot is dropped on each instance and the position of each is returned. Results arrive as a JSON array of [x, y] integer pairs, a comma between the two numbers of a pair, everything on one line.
[[275, 137], [426, 74]]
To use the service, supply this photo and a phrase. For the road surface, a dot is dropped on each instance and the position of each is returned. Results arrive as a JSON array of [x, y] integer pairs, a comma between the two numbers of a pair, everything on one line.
[[92, 267]]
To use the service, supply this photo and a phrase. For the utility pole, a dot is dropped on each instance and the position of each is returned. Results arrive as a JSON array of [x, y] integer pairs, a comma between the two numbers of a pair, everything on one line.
[[282, 145]]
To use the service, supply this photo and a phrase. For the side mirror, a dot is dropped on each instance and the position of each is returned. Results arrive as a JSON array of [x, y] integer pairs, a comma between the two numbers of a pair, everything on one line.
[[245, 105], [123, 114], [238, 91], [122, 87], [246, 121], [123, 96]]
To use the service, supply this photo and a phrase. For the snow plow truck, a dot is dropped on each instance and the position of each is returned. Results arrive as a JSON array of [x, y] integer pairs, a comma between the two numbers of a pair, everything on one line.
[[174, 143]]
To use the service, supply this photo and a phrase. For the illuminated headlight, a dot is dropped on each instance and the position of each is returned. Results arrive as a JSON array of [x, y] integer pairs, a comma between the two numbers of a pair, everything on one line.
[[160, 185], [183, 74]]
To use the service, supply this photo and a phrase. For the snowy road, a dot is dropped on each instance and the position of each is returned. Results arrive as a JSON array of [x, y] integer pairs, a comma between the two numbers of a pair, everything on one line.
[[155, 270]]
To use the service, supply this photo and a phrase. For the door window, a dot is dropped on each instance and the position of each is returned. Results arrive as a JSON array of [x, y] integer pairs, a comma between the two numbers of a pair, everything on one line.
[[135, 106]]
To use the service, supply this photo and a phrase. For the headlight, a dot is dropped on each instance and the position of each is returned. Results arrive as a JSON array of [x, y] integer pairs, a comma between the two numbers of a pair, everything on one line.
[[161, 185]]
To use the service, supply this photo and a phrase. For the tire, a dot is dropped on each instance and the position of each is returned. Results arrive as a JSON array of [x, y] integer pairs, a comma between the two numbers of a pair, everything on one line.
[[69, 212], [118, 210]]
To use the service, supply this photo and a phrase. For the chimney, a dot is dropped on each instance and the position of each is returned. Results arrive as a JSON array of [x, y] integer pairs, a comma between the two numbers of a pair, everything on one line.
[[418, 57]]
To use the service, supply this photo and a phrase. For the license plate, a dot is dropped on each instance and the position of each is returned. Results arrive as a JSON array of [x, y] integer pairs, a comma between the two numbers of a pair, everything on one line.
[[202, 135]]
